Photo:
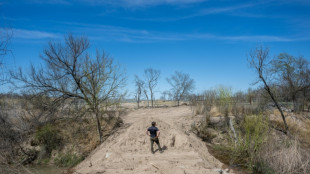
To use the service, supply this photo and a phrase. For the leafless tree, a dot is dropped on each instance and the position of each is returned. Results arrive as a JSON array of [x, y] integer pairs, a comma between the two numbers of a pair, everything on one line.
[[71, 73], [258, 60], [147, 96], [165, 95], [5, 36], [151, 76], [181, 85], [11, 139], [139, 89], [250, 95], [293, 75]]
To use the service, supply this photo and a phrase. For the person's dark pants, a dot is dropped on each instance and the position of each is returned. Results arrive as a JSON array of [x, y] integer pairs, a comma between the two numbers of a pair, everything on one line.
[[152, 143]]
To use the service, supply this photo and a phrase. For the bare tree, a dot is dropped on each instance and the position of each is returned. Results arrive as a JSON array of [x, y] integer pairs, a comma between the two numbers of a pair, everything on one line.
[[147, 96], [181, 85], [293, 76], [250, 95], [139, 90], [258, 60], [5, 36], [165, 95], [152, 77], [70, 72]]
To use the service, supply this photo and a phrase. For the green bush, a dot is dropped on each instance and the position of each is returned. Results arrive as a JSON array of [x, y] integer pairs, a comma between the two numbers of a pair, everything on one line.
[[224, 95], [68, 160], [253, 134], [262, 167], [49, 137]]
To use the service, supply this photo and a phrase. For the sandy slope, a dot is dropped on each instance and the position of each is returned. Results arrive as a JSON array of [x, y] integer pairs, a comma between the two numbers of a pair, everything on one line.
[[128, 150]]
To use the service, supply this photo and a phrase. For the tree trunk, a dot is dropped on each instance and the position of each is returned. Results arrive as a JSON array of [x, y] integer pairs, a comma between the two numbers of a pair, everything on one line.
[[152, 103], [148, 101], [138, 101], [296, 109], [152, 98], [276, 103], [98, 125], [233, 130]]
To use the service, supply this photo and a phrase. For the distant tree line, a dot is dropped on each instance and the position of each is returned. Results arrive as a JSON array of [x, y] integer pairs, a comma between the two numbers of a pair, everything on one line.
[[181, 86], [283, 82]]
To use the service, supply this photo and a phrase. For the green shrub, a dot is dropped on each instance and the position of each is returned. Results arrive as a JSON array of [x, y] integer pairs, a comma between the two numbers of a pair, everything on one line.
[[262, 167], [253, 135], [224, 95], [222, 153], [68, 160], [43, 161], [49, 137]]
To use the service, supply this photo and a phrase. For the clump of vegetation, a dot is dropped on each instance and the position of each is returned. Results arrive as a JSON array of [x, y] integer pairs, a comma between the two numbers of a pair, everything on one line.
[[68, 160], [253, 134], [224, 95], [260, 145], [281, 155], [49, 137]]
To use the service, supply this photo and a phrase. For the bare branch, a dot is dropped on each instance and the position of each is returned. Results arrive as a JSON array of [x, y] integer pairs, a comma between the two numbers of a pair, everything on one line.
[[258, 61], [151, 76], [181, 85], [70, 72]]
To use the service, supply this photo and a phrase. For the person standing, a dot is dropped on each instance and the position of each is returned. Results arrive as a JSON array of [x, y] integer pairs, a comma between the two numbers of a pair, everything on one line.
[[154, 133]]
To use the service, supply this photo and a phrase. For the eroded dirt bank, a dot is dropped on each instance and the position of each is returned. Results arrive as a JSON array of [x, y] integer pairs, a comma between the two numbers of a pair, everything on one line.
[[128, 150]]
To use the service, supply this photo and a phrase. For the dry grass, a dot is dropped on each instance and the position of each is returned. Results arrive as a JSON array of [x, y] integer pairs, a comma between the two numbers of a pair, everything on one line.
[[159, 103], [288, 154], [82, 136], [276, 112], [299, 127], [214, 111], [198, 108], [282, 155], [301, 131]]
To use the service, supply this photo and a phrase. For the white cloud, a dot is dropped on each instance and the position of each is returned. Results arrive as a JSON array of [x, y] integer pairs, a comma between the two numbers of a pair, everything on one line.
[[123, 34], [127, 3], [258, 38], [32, 34], [135, 3], [156, 2], [201, 12], [63, 2], [240, 38]]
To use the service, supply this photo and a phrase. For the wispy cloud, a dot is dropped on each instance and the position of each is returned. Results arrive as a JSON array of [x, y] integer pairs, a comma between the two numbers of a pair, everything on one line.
[[202, 12], [239, 38], [119, 34], [126, 3], [123, 34], [148, 2], [258, 38], [33, 34], [63, 2], [208, 11]]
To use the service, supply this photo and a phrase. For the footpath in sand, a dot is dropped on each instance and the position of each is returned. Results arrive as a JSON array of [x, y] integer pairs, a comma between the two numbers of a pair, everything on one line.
[[128, 150]]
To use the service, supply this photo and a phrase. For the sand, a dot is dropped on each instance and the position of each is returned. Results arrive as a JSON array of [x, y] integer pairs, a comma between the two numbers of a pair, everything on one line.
[[128, 149]]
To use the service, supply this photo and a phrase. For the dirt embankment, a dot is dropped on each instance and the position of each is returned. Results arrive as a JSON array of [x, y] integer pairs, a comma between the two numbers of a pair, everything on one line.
[[128, 150]]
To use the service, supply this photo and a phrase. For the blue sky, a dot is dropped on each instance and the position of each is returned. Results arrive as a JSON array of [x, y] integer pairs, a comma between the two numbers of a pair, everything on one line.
[[209, 39]]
